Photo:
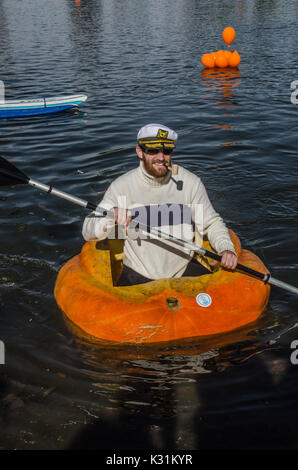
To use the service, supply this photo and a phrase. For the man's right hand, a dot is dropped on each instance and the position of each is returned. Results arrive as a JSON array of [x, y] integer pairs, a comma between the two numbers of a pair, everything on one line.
[[122, 216]]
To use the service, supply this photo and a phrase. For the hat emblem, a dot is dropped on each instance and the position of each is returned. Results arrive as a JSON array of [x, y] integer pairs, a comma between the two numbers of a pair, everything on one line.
[[162, 134]]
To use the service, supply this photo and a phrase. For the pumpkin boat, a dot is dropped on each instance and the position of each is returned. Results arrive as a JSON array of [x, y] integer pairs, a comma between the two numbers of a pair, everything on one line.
[[161, 310]]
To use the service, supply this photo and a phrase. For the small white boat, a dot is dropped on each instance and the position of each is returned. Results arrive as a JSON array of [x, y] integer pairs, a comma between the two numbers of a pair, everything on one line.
[[33, 107]]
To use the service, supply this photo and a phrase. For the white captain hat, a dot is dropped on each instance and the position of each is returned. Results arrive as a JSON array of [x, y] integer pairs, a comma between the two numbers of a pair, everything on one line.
[[156, 135]]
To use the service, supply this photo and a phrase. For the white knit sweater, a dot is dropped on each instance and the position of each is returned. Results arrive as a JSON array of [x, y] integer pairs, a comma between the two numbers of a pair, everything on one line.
[[187, 201]]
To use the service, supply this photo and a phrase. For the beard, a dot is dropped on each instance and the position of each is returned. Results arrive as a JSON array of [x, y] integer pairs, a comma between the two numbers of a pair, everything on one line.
[[156, 167]]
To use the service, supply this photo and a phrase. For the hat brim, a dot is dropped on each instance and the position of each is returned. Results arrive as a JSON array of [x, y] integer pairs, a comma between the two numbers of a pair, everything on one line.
[[155, 143]]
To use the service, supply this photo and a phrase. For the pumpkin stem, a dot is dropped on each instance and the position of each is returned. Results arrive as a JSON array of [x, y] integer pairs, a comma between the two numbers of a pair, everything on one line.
[[173, 303]]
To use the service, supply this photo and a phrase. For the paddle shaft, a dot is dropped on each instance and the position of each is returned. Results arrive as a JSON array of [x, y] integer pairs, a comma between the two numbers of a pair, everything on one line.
[[266, 278], [63, 195]]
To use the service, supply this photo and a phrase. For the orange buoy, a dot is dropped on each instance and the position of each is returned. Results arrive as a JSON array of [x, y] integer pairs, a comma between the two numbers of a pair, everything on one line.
[[228, 35], [227, 54], [221, 60], [161, 310], [208, 61], [234, 60]]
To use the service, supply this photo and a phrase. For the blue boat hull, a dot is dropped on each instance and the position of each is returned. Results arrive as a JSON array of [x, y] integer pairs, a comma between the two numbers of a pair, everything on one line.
[[33, 111], [24, 108]]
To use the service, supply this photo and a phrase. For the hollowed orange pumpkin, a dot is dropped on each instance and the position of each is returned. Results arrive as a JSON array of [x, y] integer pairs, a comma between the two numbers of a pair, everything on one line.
[[161, 310]]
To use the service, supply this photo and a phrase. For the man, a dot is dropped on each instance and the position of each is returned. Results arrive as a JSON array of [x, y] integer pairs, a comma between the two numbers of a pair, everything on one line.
[[153, 195]]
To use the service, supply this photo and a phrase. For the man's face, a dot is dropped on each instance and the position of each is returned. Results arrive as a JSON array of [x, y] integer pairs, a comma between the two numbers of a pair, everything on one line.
[[157, 164]]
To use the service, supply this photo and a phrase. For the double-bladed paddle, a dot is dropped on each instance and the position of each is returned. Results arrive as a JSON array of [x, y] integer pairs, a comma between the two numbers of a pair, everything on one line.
[[10, 175]]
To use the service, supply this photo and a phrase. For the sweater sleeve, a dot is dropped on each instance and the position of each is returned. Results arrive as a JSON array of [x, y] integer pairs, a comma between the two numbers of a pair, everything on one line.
[[210, 223], [96, 227]]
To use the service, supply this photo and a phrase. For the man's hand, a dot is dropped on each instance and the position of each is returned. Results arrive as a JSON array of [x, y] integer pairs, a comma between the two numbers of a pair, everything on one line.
[[228, 260], [122, 216]]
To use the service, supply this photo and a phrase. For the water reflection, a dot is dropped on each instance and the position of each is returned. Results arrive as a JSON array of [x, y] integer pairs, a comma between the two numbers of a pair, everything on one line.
[[223, 80], [174, 387]]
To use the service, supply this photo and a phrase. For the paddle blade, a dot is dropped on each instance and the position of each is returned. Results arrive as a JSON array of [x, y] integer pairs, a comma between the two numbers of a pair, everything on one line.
[[10, 175]]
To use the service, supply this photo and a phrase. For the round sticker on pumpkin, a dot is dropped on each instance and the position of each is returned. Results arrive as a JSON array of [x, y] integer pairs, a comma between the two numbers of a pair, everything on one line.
[[203, 300]]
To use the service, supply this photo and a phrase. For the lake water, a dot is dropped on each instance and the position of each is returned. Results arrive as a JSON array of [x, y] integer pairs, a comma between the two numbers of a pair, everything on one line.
[[139, 62]]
